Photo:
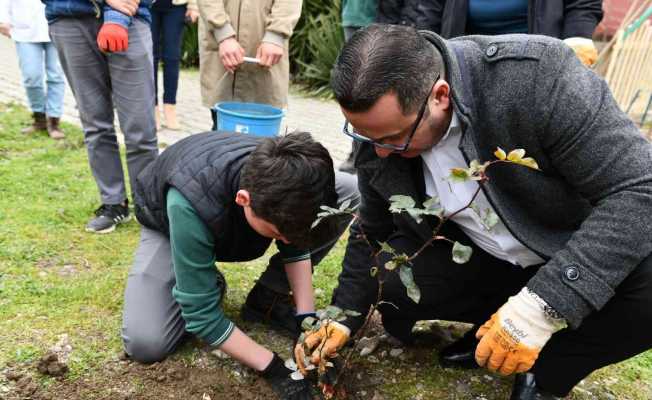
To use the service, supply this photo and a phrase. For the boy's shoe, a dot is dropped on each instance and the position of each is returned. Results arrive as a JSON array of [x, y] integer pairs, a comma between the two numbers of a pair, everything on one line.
[[107, 217], [39, 124], [275, 309]]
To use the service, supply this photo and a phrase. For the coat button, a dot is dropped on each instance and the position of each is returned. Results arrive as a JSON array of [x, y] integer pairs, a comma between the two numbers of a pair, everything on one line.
[[572, 273], [491, 50]]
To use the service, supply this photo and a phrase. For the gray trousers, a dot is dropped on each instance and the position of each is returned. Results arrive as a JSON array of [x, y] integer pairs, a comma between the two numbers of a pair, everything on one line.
[[101, 81], [152, 325]]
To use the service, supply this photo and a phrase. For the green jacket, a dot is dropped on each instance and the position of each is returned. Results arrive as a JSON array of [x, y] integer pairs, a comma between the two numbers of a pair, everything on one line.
[[358, 13]]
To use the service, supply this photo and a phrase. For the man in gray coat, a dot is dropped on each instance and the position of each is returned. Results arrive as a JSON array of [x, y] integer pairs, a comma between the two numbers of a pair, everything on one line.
[[561, 285]]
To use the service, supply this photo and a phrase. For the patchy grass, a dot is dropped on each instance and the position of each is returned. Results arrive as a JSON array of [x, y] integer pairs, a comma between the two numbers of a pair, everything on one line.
[[57, 279]]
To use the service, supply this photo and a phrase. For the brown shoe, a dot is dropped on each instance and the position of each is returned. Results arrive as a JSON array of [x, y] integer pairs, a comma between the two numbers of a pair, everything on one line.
[[53, 129], [39, 124]]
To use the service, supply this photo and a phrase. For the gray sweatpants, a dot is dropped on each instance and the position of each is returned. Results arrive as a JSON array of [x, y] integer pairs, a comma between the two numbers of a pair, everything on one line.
[[101, 81], [152, 324]]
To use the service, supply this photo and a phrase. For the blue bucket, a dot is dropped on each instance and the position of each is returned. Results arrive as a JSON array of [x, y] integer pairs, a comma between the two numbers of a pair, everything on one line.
[[253, 118]]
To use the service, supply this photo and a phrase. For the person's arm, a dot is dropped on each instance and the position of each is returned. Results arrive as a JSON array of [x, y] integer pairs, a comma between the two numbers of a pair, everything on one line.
[[299, 275], [581, 17], [199, 288], [279, 26], [430, 15], [600, 153], [218, 21], [5, 18], [192, 12]]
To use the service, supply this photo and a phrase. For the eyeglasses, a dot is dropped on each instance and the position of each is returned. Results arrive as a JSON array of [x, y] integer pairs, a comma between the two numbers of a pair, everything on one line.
[[351, 132]]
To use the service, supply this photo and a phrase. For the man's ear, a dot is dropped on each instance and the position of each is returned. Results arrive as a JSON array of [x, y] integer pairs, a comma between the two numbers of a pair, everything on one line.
[[242, 198], [441, 93]]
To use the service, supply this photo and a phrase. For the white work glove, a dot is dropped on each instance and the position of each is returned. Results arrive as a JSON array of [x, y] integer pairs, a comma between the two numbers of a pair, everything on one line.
[[584, 49], [514, 336]]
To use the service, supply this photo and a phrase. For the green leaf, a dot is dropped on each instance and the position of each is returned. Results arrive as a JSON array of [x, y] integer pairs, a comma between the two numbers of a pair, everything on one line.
[[390, 265], [516, 155], [459, 175], [399, 203], [490, 219], [413, 291], [352, 313], [334, 312], [386, 248], [415, 213], [461, 253], [308, 323], [432, 203], [315, 222], [373, 271], [529, 162], [500, 154], [345, 204]]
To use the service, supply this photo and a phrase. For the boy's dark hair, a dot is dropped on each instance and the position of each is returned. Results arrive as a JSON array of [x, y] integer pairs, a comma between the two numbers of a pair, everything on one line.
[[288, 178], [381, 59]]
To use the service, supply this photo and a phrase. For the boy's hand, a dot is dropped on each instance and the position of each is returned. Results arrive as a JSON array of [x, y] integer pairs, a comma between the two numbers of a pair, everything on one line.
[[192, 15], [127, 7], [5, 29], [231, 54], [269, 54], [287, 388], [514, 336], [326, 342], [113, 38]]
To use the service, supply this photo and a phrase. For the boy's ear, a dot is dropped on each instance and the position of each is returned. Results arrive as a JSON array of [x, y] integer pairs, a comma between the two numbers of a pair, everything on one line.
[[242, 198]]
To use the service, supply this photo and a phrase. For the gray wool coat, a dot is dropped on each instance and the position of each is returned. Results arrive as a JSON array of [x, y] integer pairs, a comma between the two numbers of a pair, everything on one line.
[[588, 212]]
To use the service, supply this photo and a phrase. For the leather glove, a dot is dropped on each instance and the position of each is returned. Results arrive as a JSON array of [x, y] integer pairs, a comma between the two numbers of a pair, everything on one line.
[[113, 38], [278, 377], [584, 49], [326, 342], [514, 336]]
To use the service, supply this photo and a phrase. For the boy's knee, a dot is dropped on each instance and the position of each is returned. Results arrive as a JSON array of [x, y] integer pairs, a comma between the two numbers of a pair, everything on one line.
[[145, 350]]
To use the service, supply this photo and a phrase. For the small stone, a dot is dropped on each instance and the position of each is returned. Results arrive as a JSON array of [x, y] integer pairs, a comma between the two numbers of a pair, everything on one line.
[[363, 393], [487, 377], [372, 359], [368, 344], [395, 352], [220, 354]]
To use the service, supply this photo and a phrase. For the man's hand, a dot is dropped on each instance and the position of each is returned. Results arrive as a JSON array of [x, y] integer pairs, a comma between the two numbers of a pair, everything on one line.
[[113, 38], [269, 54], [324, 342], [584, 49], [127, 7], [514, 336], [231, 54], [192, 15], [5, 29]]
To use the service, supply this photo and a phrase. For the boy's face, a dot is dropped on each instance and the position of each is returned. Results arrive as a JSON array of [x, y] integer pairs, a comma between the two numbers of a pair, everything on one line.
[[262, 227]]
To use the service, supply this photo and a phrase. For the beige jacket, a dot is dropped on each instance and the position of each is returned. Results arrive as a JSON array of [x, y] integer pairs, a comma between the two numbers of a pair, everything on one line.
[[250, 22], [192, 4]]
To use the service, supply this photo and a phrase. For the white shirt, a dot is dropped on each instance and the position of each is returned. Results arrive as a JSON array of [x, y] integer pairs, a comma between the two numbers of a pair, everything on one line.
[[27, 19], [437, 164]]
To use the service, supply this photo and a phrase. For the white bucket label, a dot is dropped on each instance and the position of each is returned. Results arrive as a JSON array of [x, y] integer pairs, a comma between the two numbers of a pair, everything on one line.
[[241, 128]]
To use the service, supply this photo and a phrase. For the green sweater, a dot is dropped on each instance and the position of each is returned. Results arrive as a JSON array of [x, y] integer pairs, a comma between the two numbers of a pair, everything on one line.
[[193, 256], [358, 13]]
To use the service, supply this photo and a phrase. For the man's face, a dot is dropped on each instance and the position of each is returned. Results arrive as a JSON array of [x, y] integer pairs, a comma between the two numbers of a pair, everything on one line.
[[258, 224], [385, 123]]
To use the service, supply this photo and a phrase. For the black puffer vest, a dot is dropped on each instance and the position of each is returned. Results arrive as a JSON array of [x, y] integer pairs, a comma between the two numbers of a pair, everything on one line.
[[205, 168]]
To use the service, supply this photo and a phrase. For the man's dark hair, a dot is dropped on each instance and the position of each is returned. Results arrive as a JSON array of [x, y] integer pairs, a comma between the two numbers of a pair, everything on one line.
[[382, 59], [288, 178]]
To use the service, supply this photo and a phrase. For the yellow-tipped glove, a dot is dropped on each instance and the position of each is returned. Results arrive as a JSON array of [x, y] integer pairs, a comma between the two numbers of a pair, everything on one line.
[[514, 336], [326, 341], [584, 49]]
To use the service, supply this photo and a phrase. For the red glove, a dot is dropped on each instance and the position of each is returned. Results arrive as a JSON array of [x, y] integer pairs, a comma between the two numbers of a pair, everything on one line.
[[113, 38]]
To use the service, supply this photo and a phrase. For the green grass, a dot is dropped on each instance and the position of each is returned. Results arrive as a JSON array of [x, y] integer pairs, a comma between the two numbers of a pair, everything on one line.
[[57, 279]]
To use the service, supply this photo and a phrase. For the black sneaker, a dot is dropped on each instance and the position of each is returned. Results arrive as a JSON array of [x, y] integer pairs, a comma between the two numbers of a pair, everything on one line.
[[107, 217], [265, 306]]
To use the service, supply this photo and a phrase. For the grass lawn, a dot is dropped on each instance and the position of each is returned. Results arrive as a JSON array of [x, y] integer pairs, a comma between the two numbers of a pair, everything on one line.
[[56, 279]]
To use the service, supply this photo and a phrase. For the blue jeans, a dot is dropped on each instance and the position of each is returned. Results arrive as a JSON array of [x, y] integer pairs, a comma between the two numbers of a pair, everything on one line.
[[167, 31], [38, 61]]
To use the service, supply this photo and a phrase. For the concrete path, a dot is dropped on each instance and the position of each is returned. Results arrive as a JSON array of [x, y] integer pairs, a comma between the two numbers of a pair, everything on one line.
[[321, 118]]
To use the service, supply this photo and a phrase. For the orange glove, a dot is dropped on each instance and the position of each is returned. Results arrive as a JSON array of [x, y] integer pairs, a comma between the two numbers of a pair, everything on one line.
[[326, 341], [113, 38], [584, 49], [514, 336]]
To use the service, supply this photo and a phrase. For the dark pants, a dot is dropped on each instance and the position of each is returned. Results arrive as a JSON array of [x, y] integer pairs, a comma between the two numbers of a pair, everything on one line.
[[167, 32], [472, 292]]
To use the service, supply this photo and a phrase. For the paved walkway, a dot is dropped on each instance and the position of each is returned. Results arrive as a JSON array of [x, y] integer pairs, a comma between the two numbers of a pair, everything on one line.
[[322, 118]]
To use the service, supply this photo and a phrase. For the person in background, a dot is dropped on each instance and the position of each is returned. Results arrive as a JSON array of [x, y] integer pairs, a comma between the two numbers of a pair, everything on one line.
[[356, 14], [24, 21], [229, 30], [106, 53], [398, 12], [168, 20], [573, 21]]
